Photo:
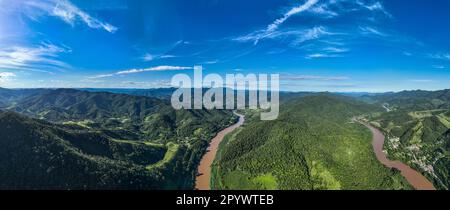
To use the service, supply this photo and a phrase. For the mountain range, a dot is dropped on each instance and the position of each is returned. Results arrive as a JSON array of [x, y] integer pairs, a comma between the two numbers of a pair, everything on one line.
[[134, 139]]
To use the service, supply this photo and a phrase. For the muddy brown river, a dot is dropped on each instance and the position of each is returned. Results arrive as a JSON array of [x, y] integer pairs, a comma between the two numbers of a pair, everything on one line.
[[203, 179], [416, 179]]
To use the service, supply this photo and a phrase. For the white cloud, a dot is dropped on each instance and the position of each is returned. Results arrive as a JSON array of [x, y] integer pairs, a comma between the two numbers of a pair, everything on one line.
[[299, 36], [313, 33], [151, 84], [211, 62], [32, 58], [148, 57], [406, 53], [444, 56], [323, 10], [66, 11], [270, 30], [5, 76], [367, 30], [295, 10], [438, 67], [134, 71], [313, 77], [321, 55], [335, 50], [377, 6], [168, 56]]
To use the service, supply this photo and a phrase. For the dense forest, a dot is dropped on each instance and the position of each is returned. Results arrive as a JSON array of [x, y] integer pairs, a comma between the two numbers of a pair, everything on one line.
[[76, 139], [134, 139], [312, 145], [417, 128]]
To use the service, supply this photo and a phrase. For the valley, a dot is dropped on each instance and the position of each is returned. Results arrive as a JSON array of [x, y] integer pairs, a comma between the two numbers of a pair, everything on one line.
[[126, 139], [204, 169], [313, 145], [417, 180], [99, 140]]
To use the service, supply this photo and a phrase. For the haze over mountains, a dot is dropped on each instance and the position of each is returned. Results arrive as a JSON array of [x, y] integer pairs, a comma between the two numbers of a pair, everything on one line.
[[93, 123], [78, 139]]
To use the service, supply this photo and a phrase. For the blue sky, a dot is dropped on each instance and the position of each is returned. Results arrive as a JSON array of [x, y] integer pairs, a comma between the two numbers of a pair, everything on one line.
[[315, 45]]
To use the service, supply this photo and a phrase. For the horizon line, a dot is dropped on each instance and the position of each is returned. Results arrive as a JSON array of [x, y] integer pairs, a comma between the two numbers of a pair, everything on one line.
[[285, 91]]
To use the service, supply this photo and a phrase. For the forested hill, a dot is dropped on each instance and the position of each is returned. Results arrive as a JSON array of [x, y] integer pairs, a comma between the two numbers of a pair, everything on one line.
[[417, 124], [111, 139], [70, 104], [414, 100], [38, 155], [312, 145]]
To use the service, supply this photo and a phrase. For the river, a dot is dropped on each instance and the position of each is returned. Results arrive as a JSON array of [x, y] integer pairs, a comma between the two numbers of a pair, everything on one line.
[[416, 179], [203, 179]]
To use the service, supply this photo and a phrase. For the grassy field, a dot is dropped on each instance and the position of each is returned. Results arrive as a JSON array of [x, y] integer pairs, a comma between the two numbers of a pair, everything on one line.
[[172, 150]]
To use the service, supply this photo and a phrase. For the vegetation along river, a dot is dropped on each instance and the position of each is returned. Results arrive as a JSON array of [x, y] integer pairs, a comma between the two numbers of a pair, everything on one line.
[[417, 180], [203, 179]]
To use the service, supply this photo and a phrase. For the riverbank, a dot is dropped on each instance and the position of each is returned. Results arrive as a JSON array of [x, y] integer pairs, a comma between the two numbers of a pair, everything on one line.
[[416, 179], [203, 179]]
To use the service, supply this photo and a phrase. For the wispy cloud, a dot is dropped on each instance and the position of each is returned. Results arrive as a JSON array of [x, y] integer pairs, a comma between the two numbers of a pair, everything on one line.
[[151, 84], [272, 28], [168, 56], [298, 36], [368, 30], [313, 77], [440, 56], [336, 50], [322, 55], [438, 66], [66, 11], [376, 6], [318, 41], [313, 33], [328, 52], [135, 71], [150, 57], [323, 10], [33, 58], [211, 62], [295, 10], [406, 53], [163, 54]]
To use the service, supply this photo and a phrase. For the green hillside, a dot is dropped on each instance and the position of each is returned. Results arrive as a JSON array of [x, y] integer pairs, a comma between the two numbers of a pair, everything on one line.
[[38, 155], [417, 129], [100, 140], [312, 145]]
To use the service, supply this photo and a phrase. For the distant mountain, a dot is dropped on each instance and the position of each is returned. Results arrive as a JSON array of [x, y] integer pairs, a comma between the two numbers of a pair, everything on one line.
[[9, 96], [417, 99], [163, 145], [161, 93], [312, 145], [417, 124], [70, 104], [139, 116]]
